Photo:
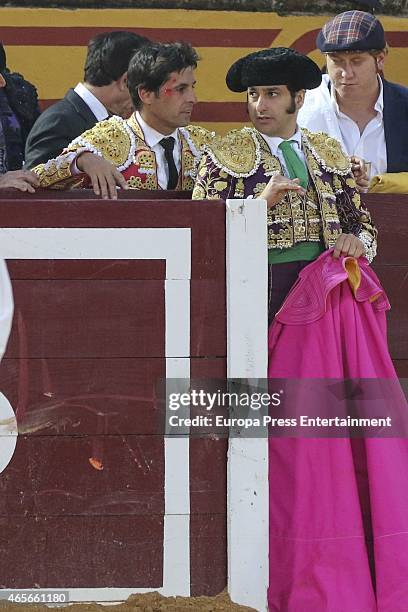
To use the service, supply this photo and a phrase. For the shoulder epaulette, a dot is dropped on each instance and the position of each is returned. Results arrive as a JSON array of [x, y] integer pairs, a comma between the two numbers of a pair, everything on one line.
[[198, 138], [327, 151], [112, 139], [237, 153]]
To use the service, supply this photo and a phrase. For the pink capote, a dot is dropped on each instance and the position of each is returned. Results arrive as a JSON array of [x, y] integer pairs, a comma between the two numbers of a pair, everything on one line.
[[329, 497]]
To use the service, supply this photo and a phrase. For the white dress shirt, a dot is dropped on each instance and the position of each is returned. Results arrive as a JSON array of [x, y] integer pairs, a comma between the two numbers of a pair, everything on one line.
[[321, 113], [152, 138], [370, 145], [274, 142], [92, 101]]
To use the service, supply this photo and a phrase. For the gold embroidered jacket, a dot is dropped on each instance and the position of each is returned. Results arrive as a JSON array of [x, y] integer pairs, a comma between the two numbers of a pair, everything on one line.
[[240, 164], [122, 143]]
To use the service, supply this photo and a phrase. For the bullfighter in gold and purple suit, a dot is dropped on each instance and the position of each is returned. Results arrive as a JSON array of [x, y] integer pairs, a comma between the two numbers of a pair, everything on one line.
[[306, 178]]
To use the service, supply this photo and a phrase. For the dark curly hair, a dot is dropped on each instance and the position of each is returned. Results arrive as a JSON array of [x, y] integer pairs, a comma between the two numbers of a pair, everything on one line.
[[109, 55], [151, 66]]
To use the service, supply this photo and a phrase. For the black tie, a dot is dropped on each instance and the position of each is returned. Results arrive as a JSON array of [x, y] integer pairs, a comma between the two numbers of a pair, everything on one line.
[[168, 146]]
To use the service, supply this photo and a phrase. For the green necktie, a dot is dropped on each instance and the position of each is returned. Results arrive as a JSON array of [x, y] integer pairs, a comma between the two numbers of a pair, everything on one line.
[[295, 166]]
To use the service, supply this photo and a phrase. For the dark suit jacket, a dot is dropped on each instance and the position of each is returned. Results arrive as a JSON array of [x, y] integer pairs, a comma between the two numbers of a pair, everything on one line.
[[396, 126], [56, 127]]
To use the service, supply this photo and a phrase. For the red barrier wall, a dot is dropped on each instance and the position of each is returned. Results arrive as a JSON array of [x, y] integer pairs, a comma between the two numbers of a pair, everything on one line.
[[83, 498]]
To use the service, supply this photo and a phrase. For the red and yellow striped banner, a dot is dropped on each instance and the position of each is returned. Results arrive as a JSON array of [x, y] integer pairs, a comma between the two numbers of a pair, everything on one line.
[[50, 52]]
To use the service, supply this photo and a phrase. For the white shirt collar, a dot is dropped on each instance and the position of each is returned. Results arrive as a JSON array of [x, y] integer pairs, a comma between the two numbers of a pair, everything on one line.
[[153, 137], [378, 106], [92, 101], [274, 141]]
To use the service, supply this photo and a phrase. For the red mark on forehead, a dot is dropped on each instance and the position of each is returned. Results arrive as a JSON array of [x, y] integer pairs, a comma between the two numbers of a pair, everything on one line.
[[168, 89]]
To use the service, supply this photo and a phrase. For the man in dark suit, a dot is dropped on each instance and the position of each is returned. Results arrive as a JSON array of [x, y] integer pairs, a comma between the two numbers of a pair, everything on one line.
[[103, 93], [354, 103]]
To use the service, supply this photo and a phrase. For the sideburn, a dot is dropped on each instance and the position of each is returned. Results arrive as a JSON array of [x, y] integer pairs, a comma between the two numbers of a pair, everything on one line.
[[292, 108]]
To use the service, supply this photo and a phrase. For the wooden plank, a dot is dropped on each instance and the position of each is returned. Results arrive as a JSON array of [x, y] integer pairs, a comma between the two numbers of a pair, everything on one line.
[[208, 560], [208, 367], [84, 357], [401, 366], [53, 209], [208, 318], [86, 269], [208, 475], [84, 476], [87, 319], [390, 214], [208, 240], [84, 396], [394, 279], [62, 318], [81, 552], [81, 396]]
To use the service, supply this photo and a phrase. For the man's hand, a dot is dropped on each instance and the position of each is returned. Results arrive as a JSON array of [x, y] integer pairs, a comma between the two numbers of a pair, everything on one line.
[[23, 180], [348, 244], [103, 175], [277, 187], [360, 173]]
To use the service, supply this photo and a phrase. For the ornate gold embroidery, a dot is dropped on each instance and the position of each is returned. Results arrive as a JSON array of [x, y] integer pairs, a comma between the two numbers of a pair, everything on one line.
[[294, 219], [220, 185], [136, 127], [109, 138], [323, 187], [145, 159], [237, 153], [327, 151], [281, 240], [258, 189], [57, 174], [198, 193], [356, 199], [269, 162], [337, 183], [193, 138], [312, 164], [136, 182], [187, 183], [239, 187], [208, 184], [188, 167], [201, 137], [188, 162]]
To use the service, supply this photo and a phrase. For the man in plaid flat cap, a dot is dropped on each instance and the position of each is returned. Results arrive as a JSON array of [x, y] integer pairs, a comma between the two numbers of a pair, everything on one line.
[[354, 103]]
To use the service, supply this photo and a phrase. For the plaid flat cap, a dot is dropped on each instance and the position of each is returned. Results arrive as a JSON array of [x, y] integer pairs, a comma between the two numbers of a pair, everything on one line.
[[351, 31]]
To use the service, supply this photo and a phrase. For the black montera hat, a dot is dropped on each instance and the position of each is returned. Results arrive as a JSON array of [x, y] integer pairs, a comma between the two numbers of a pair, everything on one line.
[[278, 66]]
